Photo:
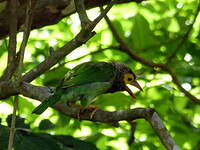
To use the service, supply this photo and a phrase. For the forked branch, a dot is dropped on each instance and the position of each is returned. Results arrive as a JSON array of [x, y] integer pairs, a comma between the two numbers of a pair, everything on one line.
[[125, 48]]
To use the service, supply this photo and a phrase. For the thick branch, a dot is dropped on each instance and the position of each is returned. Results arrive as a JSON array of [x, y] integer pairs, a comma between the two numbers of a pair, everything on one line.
[[47, 12], [128, 115], [124, 48], [12, 41], [11, 63], [83, 36], [10, 88], [12, 32], [112, 118]]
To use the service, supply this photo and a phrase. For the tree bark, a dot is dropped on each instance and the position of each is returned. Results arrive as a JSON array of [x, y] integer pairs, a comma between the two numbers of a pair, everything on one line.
[[45, 12]]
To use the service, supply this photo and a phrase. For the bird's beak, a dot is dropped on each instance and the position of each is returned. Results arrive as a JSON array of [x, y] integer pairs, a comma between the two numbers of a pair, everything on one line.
[[130, 92], [135, 84]]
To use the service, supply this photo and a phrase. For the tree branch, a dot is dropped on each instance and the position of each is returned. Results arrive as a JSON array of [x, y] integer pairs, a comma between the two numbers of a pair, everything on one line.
[[49, 12], [124, 48], [112, 118], [131, 139], [12, 41], [128, 115], [11, 63], [80, 8], [12, 127], [11, 88], [26, 33], [100, 50], [83, 36]]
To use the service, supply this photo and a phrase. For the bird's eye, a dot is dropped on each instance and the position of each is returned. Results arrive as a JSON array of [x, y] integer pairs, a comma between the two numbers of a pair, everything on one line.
[[129, 79]]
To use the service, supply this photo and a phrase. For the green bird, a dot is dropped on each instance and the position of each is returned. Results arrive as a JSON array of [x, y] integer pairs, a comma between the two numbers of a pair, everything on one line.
[[88, 80]]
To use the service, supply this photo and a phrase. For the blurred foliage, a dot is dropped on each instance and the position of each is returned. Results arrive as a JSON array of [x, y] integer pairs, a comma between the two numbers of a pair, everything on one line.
[[26, 140], [153, 29]]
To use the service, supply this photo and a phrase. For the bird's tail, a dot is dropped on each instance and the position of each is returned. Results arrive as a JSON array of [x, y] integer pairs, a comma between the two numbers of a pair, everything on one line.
[[47, 103]]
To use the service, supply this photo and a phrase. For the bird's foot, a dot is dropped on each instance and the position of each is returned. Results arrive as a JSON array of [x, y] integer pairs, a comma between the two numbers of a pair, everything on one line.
[[69, 103], [92, 109]]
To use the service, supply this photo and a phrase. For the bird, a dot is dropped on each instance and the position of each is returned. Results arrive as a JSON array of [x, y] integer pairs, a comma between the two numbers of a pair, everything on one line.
[[88, 80]]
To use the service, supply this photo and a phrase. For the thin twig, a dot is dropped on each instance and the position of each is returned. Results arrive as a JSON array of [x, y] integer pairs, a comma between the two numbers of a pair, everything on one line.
[[80, 8], [12, 127], [18, 67], [79, 58], [26, 33], [124, 48], [184, 38], [100, 50], [103, 13], [82, 37], [11, 62], [131, 139]]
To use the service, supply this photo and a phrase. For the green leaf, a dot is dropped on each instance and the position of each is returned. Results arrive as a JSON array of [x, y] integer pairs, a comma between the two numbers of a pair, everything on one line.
[[46, 124], [141, 36], [19, 123], [26, 140], [76, 144], [118, 100]]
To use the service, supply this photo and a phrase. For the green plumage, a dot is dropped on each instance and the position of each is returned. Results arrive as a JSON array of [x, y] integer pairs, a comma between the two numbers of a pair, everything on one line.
[[48, 102], [90, 72], [84, 83]]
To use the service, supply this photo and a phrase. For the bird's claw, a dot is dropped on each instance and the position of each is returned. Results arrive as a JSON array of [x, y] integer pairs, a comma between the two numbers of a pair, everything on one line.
[[93, 113], [92, 109]]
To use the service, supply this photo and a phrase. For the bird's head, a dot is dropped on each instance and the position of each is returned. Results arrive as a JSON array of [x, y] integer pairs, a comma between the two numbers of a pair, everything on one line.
[[130, 78], [126, 76]]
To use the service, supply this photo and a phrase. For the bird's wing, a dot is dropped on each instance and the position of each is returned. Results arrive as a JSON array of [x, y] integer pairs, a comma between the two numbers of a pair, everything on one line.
[[89, 72], [93, 90]]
